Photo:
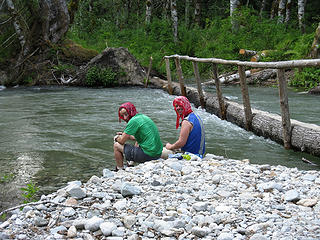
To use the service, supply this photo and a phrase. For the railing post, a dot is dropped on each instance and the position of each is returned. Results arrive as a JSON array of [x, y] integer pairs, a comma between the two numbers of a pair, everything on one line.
[[180, 76], [284, 106], [148, 73], [167, 60], [245, 98], [222, 106], [198, 81]]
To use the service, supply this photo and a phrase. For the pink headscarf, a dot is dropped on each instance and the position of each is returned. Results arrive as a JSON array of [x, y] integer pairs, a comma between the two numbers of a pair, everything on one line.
[[185, 104], [131, 110]]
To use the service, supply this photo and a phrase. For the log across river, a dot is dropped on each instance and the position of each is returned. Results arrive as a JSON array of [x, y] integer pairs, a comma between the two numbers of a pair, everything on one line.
[[304, 137]]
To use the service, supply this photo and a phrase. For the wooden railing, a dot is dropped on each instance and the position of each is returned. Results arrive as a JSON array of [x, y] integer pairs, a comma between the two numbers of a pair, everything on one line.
[[283, 89]]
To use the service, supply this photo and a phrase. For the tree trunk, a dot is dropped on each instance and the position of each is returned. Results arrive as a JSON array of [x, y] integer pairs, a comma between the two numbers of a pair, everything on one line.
[[262, 8], [166, 9], [315, 48], [234, 4], [187, 13], [197, 12], [274, 8], [281, 11], [148, 11], [301, 9], [50, 26], [288, 11], [54, 11], [174, 15]]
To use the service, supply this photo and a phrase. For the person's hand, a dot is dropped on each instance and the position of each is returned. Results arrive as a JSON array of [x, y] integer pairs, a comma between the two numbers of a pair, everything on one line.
[[115, 138], [168, 146]]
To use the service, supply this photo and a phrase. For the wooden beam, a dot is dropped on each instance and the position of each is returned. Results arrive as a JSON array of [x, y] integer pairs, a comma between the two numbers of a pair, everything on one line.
[[198, 81], [245, 98], [167, 60], [278, 65], [284, 106], [148, 73], [180, 77], [222, 106]]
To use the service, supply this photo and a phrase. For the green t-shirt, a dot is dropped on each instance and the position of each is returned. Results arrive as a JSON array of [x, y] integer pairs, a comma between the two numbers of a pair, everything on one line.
[[146, 133]]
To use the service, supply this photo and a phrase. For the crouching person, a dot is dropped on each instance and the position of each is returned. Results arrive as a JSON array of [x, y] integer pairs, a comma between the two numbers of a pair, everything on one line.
[[139, 128]]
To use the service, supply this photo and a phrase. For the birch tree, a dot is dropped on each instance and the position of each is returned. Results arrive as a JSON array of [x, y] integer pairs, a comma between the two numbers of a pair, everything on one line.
[[281, 11], [174, 16], [262, 8], [288, 11], [187, 13], [148, 11], [274, 8], [301, 9], [234, 4], [197, 12]]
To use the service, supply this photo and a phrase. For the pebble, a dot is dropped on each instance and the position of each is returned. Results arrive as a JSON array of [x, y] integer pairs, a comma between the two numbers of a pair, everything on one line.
[[212, 198]]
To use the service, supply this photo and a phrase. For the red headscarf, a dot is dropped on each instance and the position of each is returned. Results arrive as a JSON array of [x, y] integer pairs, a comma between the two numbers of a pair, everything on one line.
[[131, 110], [185, 104]]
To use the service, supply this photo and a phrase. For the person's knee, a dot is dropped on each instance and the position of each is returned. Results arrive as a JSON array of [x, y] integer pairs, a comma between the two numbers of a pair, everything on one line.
[[117, 147]]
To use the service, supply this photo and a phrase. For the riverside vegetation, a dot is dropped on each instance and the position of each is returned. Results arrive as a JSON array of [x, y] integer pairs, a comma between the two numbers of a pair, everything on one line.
[[216, 39]]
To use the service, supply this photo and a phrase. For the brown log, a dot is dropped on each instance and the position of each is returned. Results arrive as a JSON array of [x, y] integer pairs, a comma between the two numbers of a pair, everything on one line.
[[247, 53], [180, 76], [261, 54], [198, 81], [245, 98], [148, 73], [222, 107], [284, 105], [170, 90]]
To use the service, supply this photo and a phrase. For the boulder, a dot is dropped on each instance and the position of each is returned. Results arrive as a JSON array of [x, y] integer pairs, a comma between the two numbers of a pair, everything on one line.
[[121, 61], [315, 90]]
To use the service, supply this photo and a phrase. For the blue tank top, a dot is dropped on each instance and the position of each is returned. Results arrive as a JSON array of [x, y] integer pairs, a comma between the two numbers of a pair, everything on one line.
[[196, 140]]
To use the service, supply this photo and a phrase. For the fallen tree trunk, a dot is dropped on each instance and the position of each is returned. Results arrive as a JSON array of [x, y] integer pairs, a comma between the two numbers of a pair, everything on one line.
[[229, 78], [254, 76], [247, 53], [257, 57], [304, 137]]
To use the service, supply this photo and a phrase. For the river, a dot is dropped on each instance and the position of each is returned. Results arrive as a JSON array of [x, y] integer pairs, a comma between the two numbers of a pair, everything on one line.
[[52, 135]]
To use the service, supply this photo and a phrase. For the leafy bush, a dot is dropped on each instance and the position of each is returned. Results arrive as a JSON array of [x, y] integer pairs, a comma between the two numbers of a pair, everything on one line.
[[308, 78], [30, 192], [97, 76]]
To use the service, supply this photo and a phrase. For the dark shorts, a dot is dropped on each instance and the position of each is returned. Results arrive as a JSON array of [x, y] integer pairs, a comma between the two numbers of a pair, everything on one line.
[[136, 154]]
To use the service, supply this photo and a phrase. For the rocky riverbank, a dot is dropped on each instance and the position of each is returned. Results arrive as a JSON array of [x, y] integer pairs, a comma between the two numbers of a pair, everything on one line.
[[213, 198]]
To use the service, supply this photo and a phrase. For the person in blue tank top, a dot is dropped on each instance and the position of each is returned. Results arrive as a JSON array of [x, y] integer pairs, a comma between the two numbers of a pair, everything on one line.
[[192, 136]]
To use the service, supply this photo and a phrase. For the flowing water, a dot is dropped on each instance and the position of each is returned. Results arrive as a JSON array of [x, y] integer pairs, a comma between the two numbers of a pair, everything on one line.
[[52, 135]]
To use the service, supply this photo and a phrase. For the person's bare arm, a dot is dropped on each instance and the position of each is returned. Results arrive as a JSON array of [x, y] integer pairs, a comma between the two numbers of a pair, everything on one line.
[[123, 138], [186, 128]]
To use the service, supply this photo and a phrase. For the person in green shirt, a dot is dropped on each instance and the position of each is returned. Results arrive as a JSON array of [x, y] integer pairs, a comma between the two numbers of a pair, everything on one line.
[[143, 130]]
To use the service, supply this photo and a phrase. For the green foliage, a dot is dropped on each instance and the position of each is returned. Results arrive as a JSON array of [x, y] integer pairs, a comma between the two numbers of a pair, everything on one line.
[[96, 27], [29, 192], [7, 178], [97, 76], [308, 78], [3, 217]]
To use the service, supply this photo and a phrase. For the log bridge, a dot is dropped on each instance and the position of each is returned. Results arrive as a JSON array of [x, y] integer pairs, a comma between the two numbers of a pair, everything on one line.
[[292, 134]]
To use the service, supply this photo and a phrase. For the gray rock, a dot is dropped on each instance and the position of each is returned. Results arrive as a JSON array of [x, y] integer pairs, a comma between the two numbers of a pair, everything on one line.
[[93, 223], [291, 196], [107, 228], [128, 190]]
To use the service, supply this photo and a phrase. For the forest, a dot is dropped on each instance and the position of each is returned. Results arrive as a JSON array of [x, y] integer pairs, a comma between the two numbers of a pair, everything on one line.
[[35, 33]]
